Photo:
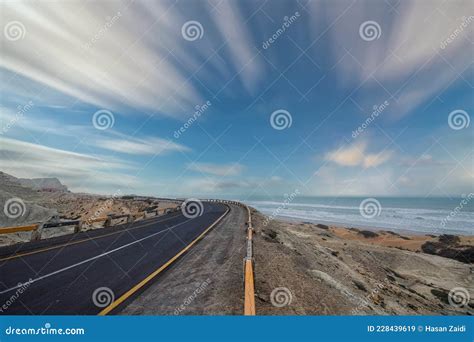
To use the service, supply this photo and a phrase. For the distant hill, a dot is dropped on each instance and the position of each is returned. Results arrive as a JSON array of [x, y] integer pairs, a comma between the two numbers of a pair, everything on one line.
[[45, 184], [18, 198]]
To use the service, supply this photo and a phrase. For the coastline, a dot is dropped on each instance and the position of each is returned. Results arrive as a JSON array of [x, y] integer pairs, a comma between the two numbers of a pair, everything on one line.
[[333, 270], [410, 232]]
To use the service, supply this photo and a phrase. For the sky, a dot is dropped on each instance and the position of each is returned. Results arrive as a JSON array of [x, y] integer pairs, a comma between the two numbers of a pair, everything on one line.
[[240, 98]]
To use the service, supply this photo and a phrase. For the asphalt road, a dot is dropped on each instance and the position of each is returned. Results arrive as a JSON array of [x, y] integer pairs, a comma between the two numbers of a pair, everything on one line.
[[81, 274]]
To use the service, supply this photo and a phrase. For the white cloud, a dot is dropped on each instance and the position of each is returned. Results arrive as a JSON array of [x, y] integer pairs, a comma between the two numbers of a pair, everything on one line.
[[355, 155], [374, 160], [217, 169], [77, 170]]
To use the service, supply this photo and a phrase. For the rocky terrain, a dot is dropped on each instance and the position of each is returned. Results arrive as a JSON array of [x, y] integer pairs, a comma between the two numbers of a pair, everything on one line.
[[315, 269], [28, 201]]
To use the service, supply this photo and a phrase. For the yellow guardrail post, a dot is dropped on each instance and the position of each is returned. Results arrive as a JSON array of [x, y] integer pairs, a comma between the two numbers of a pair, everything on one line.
[[8, 230], [249, 282]]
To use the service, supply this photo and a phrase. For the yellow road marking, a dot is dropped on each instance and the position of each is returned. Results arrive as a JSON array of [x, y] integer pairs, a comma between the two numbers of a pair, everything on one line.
[[78, 241], [137, 287]]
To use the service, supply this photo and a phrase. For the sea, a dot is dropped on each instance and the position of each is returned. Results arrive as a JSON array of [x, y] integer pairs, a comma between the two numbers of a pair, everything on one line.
[[431, 215]]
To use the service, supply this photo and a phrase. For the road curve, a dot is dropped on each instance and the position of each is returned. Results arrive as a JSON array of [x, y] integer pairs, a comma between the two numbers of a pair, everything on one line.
[[98, 271]]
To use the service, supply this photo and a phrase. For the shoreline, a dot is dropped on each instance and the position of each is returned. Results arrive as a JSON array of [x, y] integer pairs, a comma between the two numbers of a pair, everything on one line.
[[413, 232]]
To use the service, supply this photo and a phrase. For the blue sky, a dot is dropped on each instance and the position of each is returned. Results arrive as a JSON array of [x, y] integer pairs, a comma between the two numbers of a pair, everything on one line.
[[134, 62]]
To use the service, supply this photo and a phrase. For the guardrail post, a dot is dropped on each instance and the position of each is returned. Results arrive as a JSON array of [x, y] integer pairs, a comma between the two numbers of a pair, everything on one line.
[[36, 234], [129, 218], [78, 227], [108, 222]]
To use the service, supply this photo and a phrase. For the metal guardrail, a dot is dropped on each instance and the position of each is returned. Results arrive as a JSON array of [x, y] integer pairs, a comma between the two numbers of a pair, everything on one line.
[[28, 228]]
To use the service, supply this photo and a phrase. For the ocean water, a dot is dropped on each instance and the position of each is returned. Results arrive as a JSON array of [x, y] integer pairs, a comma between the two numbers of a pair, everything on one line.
[[434, 215]]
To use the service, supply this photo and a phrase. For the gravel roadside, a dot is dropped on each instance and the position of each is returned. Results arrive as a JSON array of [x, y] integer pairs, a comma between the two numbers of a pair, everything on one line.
[[205, 281]]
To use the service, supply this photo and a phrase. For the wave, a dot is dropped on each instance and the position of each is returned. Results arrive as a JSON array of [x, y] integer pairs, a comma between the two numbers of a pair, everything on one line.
[[404, 219]]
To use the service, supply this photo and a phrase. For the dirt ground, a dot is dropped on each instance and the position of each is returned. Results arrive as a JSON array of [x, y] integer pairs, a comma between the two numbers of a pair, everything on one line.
[[303, 269]]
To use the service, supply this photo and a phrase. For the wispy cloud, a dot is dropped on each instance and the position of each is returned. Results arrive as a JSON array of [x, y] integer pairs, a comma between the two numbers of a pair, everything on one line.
[[217, 169], [147, 146], [77, 170]]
